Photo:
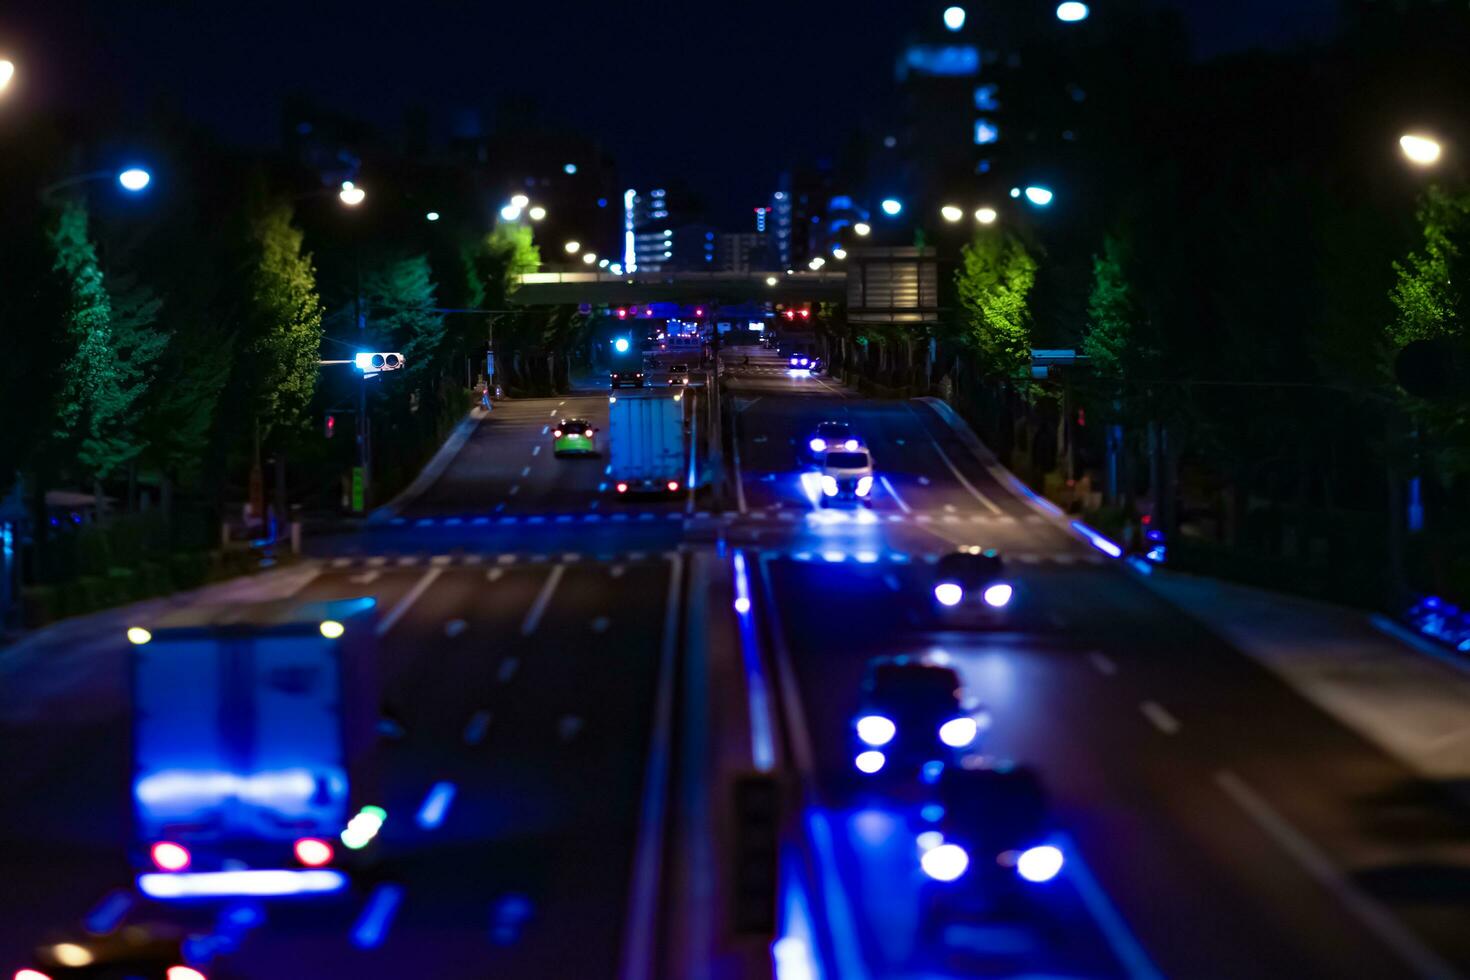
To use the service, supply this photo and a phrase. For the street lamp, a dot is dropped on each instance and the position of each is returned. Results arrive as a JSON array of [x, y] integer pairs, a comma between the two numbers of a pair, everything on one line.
[[519, 201], [954, 18], [7, 72], [350, 194], [573, 247], [862, 229], [589, 257], [432, 216], [1039, 196], [1072, 12], [891, 206], [537, 213], [951, 213], [816, 263], [510, 213], [839, 253], [134, 179], [1421, 150], [986, 216]]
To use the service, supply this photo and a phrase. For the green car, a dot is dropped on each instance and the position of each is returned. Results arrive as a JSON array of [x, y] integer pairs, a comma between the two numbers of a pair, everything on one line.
[[574, 437]]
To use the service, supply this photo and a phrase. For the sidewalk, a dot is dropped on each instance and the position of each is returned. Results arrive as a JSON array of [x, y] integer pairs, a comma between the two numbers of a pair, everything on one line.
[[1404, 700]]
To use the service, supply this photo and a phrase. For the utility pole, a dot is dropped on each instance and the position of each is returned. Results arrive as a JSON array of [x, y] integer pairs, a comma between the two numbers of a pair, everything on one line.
[[362, 477]]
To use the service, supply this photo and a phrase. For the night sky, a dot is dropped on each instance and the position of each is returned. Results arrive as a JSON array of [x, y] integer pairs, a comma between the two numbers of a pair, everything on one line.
[[724, 94]]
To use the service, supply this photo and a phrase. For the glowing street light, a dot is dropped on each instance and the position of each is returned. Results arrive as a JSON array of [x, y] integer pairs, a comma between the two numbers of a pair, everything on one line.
[[537, 213], [7, 72], [519, 201], [510, 213], [891, 206], [350, 194], [951, 213], [816, 263], [1072, 11], [771, 280], [986, 216], [1039, 196], [432, 216], [839, 253], [954, 18], [134, 179], [1421, 150], [589, 257], [572, 247], [862, 229]]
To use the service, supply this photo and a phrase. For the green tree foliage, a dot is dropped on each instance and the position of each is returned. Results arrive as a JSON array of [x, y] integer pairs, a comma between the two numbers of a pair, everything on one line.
[[113, 346], [1427, 295], [401, 295], [285, 324], [994, 283], [1112, 341]]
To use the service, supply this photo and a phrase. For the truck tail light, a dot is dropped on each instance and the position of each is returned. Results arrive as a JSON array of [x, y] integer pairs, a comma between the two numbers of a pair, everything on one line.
[[169, 856], [313, 852], [556, 432], [622, 488], [673, 485]]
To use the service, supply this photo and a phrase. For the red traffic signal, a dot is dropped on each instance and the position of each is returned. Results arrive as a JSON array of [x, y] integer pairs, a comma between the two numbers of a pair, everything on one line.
[[331, 425]]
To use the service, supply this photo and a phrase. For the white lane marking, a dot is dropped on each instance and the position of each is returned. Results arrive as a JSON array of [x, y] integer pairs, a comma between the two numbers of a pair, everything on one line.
[[543, 599], [377, 561], [525, 471], [515, 489], [507, 669], [474, 559], [1126, 948], [306, 580], [441, 559], [616, 571], [1160, 717], [535, 450], [407, 561], [894, 494], [476, 727], [600, 624], [552, 413], [571, 557], [494, 574], [545, 429], [341, 562], [366, 578], [568, 727], [558, 405], [1104, 665], [507, 559], [419, 588], [436, 805], [639, 930], [377, 915], [454, 627], [950, 508], [1377, 919]]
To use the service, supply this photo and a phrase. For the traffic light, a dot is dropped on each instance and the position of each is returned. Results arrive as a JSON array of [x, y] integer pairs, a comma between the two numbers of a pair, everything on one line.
[[330, 429], [374, 362]]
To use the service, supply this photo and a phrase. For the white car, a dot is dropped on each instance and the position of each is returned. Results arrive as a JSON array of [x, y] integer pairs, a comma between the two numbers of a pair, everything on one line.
[[847, 477]]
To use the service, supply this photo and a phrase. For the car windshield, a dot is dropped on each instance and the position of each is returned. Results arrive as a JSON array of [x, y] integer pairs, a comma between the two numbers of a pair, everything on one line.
[[914, 684], [969, 568], [847, 461], [678, 369], [575, 426], [834, 430]]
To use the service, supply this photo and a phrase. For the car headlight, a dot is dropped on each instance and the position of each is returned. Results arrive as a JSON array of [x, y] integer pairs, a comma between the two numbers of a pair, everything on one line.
[[958, 732], [852, 445], [945, 862], [948, 593], [876, 730], [818, 445], [829, 485], [998, 595], [1040, 864], [864, 485]]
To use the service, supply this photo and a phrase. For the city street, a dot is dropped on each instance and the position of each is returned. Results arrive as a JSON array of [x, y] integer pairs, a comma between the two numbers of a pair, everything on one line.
[[531, 631]]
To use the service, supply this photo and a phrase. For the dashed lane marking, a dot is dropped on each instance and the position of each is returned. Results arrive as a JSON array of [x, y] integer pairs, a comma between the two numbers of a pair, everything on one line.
[[1159, 716]]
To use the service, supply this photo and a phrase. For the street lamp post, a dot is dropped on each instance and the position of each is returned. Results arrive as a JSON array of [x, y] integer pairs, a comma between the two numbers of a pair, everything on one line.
[[7, 74]]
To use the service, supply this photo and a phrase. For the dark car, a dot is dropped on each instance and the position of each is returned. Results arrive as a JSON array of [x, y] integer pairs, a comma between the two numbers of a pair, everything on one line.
[[913, 716], [627, 376], [132, 952], [833, 437], [970, 586]]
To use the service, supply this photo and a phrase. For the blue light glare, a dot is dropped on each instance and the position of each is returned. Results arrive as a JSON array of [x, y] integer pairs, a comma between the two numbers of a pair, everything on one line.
[[987, 97], [621, 345], [377, 915], [436, 805], [1072, 11], [892, 206], [258, 883], [570, 168], [1099, 542], [953, 60], [985, 132], [1039, 196], [954, 18], [1039, 864]]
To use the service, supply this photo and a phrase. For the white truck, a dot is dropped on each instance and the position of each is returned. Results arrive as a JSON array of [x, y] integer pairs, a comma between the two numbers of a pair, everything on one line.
[[253, 748], [646, 444]]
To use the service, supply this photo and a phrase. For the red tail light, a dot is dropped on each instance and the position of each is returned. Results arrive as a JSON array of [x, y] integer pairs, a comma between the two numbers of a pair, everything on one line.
[[31, 975], [588, 433], [673, 485], [313, 852], [169, 856], [185, 973], [622, 488], [556, 432]]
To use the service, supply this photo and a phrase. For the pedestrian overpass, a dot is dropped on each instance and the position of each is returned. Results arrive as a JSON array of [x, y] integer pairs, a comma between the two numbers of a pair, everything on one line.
[[713, 288]]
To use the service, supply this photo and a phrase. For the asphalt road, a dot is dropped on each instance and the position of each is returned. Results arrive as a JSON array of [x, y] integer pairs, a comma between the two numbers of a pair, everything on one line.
[[547, 792]]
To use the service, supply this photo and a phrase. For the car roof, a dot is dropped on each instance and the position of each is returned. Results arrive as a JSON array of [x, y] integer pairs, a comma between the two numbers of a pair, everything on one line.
[[831, 426], [970, 564], [909, 678], [569, 423]]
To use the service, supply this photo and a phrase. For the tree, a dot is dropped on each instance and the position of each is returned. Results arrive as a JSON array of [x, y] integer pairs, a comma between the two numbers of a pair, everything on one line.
[[112, 349], [1427, 294], [994, 283], [401, 295], [1112, 342], [285, 325]]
